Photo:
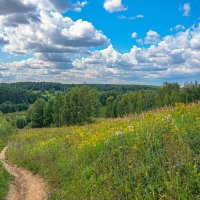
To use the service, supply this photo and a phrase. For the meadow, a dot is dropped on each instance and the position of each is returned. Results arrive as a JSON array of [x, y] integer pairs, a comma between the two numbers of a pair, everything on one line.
[[153, 155], [5, 131]]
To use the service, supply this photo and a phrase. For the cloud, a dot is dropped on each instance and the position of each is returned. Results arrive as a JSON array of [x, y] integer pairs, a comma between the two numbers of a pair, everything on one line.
[[61, 49], [152, 37], [3, 41], [80, 5], [16, 6], [63, 5], [123, 17], [50, 39], [114, 6], [3, 66], [195, 41], [18, 18], [134, 35], [178, 27], [175, 57], [186, 8], [16, 12], [54, 33], [60, 5]]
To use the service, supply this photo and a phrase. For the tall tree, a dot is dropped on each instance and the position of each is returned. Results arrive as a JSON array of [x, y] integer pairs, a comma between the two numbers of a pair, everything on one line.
[[36, 113], [48, 113], [110, 111], [57, 109], [80, 105]]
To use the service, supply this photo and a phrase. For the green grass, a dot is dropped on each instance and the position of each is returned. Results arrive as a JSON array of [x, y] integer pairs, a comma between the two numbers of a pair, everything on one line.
[[154, 155], [5, 131], [4, 179]]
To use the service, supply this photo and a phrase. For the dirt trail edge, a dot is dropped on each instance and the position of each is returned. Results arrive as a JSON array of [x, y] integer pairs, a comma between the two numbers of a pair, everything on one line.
[[26, 186]]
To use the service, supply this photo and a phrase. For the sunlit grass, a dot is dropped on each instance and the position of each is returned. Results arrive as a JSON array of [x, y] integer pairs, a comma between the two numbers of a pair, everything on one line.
[[154, 155], [5, 131]]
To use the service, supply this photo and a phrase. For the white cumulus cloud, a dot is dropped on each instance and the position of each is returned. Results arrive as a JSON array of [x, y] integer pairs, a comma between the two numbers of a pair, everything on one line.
[[175, 57], [134, 35], [152, 37], [61, 49], [41, 31], [114, 6]]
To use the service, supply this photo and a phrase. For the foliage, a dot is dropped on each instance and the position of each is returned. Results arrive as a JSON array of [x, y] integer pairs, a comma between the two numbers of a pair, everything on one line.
[[80, 105], [58, 87], [36, 113], [153, 155], [13, 99], [16, 97], [57, 109], [48, 112], [5, 131], [76, 107], [140, 101], [17, 120], [10, 107]]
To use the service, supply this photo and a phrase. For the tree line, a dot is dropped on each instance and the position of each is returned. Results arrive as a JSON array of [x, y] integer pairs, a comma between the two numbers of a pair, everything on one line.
[[136, 102], [83, 103], [59, 87], [16, 97]]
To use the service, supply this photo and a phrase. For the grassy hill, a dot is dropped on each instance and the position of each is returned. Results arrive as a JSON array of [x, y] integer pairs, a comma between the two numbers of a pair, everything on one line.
[[154, 155], [5, 131]]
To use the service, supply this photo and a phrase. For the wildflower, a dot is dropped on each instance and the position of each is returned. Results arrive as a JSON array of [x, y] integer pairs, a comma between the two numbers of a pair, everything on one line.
[[130, 127], [119, 133]]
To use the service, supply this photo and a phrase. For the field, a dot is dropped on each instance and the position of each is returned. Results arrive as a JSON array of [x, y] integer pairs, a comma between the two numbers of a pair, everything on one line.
[[153, 155], [5, 131]]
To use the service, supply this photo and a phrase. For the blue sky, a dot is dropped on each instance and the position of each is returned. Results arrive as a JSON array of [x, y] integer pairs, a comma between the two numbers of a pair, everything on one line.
[[102, 41], [158, 15]]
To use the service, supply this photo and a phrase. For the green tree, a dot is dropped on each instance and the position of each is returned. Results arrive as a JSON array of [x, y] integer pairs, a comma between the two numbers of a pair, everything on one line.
[[140, 102], [57, 109], [110, 110], [48, 113], [81, 104], [21, 122], [67, 117], [36, 113]]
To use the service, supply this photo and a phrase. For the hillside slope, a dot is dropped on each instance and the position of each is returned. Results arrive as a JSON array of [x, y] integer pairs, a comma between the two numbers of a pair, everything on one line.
[[5, 131], [154, 155]]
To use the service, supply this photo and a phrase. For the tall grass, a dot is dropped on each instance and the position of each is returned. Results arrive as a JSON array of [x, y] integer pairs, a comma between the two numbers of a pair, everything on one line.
[[5, 131], [154, 155]]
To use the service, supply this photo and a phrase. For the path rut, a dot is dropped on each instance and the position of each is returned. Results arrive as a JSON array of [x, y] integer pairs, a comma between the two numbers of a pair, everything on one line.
[[26, 186]]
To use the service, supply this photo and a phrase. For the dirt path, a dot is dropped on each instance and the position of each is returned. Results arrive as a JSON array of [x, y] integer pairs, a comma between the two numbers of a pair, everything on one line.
[[26, 186]]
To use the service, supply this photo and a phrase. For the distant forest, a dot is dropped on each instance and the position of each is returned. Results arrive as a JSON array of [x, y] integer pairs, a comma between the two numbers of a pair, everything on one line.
[[53, 87], [54, 104], [17, 97]]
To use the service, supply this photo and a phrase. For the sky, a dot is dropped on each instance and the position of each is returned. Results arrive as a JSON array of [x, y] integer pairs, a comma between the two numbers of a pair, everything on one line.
[[100, 41]]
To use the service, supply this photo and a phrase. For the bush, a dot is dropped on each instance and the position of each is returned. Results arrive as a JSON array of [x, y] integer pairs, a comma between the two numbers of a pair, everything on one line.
[[21, 122]]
